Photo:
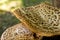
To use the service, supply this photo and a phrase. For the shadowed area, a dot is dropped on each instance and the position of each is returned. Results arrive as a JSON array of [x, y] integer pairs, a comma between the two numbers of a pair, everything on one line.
[[56, 37]]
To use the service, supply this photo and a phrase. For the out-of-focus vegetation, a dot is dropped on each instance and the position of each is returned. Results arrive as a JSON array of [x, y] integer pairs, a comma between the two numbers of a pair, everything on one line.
[[9, 5], [34, 2], [7, 19]]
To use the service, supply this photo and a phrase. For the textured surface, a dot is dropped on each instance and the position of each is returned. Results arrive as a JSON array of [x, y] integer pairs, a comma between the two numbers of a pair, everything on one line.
[[17, 32], [43, 19]]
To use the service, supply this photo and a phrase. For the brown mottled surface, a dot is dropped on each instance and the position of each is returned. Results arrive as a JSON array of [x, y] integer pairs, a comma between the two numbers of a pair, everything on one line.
[[43, 19], [19, 32]]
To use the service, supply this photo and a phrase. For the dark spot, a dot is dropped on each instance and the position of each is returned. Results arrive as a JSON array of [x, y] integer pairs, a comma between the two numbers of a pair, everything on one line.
[[49, 7], [50, 28], [41, 9], [54, 24], [35, 36], [16, 34], [48, 15], [42, 23], [55, 37], [54, 20], [56, 10], [52, 9]]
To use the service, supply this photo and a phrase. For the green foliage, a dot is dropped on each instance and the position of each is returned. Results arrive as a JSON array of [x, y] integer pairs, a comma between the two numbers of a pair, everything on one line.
[[33, 2], [6, 20]]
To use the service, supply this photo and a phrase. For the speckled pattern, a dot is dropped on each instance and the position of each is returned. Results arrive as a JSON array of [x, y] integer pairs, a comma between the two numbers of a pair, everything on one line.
[[43, 19], [17, 32]]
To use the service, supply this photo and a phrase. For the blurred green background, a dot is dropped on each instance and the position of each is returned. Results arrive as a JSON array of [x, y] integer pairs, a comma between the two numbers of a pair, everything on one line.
[[7, 19]]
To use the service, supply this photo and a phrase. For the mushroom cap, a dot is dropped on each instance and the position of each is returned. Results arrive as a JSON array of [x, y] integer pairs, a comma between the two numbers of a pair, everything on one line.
[[43, 19], [17, 32]]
